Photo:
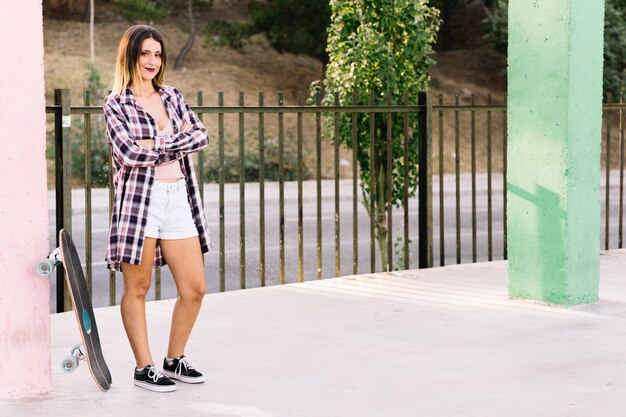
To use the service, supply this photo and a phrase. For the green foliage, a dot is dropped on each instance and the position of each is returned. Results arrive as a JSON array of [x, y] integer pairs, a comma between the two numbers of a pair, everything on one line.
[[198, 4], [232, 34], [380, 47], [143, 10], [399, 254], [99, 145], [496, 32], [293, 25], [99, 157], [497, 26], [252, 162], [157, 10], [615, 47], [98, 142]]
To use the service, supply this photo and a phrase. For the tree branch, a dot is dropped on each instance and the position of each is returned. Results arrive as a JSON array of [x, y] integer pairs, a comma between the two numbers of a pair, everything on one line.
[[190, 40]]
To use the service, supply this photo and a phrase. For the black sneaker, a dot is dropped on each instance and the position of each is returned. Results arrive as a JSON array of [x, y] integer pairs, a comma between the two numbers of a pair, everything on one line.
[[182, 370], [151, 378]]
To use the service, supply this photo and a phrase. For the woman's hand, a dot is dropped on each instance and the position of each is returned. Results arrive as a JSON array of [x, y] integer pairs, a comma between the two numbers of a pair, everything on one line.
[[146, 143]]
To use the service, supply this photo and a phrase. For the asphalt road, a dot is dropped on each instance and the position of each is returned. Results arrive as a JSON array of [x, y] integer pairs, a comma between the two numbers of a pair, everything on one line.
[[100, 218]]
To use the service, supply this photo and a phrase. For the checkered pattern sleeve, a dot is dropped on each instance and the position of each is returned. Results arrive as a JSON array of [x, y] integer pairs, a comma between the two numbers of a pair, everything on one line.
[[188, 142], [123, 144]]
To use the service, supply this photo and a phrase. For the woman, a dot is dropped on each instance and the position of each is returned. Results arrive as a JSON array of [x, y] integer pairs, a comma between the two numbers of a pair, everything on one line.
[[157, 213]]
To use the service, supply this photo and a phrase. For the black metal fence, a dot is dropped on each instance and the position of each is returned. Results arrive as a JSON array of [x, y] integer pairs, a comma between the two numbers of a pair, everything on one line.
[[271, 176]]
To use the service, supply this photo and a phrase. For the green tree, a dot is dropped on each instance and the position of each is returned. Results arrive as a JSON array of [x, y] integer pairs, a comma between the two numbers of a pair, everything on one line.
[[380, 47], [294, 26], [496, 32], [497, 26]]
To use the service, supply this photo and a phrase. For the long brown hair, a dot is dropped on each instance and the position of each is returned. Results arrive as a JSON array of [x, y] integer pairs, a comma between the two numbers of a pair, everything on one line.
[[127, 66]]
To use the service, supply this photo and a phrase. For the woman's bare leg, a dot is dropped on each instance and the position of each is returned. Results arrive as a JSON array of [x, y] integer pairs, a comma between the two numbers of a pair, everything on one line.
[[137, 280], [184, 257]]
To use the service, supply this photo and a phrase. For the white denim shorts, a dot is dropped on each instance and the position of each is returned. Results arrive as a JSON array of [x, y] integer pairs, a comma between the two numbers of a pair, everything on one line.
[[169, 214]]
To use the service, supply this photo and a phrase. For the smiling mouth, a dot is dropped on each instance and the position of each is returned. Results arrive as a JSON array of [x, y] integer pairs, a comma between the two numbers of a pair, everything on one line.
[[151, 69]]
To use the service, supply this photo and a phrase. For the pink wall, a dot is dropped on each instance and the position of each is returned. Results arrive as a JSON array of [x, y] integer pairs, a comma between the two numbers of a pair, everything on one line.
[[24, 295]]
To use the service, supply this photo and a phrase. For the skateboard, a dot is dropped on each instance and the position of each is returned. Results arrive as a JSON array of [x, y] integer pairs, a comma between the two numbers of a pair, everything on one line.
[[89, 350]]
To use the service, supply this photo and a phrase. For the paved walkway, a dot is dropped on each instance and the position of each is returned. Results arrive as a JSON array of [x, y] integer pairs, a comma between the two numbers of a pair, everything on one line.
[[439, 342]]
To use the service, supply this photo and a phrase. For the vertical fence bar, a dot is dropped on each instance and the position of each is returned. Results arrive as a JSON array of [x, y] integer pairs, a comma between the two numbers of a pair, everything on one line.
[[607, 190], [621, 171], [489, 188], [261, 192], [355, 197], [504, 176], [428, 159], [242, 196], [373, 182], [457, 169], [157, 283], [220, 127], [425, 181], [201, 153], [442, 236], [336, 176], [300, 101], [88, 236], [201, 174], [281, 186], [473, 144], [63, 178], [318, 173], [405, 193], [389, 185]]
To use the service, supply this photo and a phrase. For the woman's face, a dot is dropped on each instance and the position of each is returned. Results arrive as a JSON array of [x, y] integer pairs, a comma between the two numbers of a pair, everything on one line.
[[149, 59]]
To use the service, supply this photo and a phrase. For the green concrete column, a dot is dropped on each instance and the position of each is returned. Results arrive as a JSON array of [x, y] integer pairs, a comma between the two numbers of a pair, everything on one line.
[[555, 118]]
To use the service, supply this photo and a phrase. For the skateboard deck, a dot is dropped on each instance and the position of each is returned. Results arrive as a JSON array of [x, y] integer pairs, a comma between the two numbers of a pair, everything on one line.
[[91, 350]]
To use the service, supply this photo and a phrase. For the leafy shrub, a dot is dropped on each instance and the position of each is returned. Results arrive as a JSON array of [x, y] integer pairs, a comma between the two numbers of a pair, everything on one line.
[[497, 26], [252, 162], [294, 26], [99, 145], [615, 47], [232, 34], [99, 155], [142, 10]]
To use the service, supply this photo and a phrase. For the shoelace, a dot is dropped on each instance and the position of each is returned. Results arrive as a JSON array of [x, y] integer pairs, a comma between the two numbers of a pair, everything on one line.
[[154, 373], [183, 362]]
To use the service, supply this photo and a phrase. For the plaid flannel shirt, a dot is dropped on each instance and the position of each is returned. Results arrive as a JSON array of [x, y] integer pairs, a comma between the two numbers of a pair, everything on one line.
[[134, 170]]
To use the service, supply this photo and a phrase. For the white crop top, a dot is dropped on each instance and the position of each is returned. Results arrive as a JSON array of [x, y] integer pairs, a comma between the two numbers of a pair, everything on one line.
[[169, 170]]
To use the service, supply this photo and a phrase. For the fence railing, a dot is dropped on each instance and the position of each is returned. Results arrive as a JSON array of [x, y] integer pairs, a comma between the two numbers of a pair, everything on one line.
[[271, 176]]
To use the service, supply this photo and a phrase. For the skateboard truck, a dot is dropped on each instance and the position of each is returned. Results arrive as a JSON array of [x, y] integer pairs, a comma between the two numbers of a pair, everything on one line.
[[70, 363], [45, 267]]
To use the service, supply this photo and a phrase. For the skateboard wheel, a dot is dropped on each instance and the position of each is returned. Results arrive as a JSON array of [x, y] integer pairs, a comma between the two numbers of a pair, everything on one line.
[[45, 267], [69, 364]]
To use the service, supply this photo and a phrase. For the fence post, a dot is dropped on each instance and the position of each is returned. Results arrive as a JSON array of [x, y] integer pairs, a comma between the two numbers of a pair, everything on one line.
[[200, 114], [88, 220], [63, 182], [425, 193]]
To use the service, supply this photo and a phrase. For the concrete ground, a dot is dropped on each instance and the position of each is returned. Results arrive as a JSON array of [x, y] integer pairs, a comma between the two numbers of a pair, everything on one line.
[[438, 342]]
